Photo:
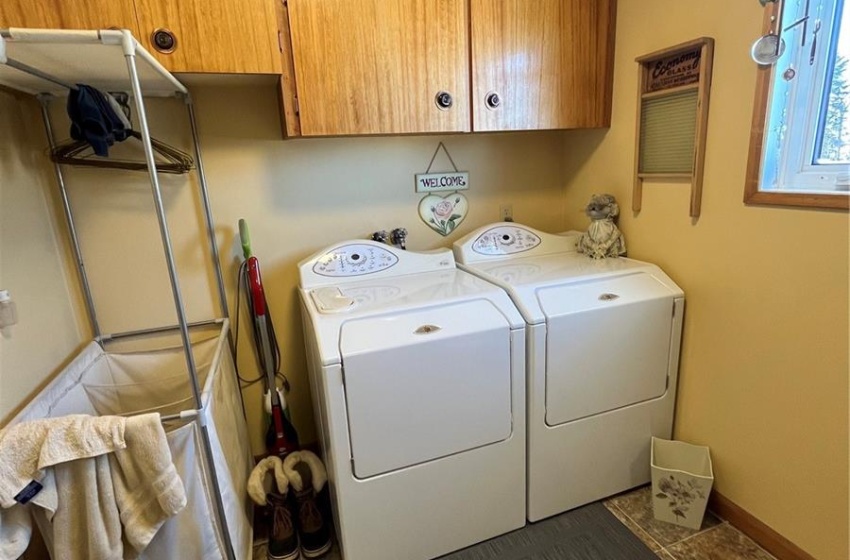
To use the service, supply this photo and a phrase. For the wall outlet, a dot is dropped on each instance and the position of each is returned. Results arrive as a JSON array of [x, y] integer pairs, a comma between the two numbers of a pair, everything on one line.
[[506, 212]]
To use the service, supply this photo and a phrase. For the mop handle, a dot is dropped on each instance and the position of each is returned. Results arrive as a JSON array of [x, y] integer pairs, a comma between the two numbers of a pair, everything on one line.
[[258, 298], [245, 237], [255, 283]]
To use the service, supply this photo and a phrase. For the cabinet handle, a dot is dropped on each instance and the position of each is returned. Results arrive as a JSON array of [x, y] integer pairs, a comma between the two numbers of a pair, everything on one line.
[[164, 40], [444, 100], [492, 100]]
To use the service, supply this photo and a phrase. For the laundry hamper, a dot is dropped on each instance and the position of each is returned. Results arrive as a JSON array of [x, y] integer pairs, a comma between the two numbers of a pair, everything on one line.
[[147, 373], [682, 478]]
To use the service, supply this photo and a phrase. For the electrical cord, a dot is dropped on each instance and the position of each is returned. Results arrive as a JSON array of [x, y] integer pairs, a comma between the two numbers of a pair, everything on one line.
[[243, 279], [240, 275]]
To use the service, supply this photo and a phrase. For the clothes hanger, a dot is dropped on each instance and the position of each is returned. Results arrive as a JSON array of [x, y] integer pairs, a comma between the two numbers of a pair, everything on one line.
[[80, 153]]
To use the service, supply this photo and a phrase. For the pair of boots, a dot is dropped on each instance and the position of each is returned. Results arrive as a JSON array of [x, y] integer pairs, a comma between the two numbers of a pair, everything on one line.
[[298, 526]]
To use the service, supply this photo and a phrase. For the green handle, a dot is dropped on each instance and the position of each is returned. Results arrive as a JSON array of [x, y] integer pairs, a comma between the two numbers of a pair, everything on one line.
[[245, 237]]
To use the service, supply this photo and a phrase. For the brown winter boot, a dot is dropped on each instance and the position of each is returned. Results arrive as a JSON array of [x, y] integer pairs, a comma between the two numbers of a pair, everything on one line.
[[271, 491], [307, 476]]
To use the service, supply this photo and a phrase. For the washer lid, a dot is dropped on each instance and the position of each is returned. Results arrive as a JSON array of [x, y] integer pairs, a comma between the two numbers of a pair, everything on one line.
[[612, 345], [425, 384], [531, 267], [331, 307]]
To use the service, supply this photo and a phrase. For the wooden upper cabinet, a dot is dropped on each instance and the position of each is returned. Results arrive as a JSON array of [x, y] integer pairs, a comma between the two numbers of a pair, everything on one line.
[[69, 14], [545, 64], [226, 36], [377, 66]]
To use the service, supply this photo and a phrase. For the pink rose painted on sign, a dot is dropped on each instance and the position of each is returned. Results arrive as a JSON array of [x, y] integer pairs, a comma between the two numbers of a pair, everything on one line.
[[443, 214], [443, 209]]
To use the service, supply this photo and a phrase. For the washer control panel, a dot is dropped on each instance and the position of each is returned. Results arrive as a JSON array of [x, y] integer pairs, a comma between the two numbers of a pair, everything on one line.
[[354, 260], [505, 240]]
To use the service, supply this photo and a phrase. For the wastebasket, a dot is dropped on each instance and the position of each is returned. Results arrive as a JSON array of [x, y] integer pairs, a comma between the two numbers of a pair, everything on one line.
[[681, 482]]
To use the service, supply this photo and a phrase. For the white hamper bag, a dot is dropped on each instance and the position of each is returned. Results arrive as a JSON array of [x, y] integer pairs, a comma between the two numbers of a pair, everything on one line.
[[148, 374]]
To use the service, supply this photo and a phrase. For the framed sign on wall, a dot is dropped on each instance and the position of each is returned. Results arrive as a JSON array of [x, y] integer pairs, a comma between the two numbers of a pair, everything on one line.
[[672, 117]]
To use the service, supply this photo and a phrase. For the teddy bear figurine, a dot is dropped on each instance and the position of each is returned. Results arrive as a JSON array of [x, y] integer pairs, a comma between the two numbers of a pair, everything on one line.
[[603, 238]]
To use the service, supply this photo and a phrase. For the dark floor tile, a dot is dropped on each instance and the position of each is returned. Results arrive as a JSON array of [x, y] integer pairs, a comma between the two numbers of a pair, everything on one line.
[[723, 542], [638, 506], [590, 532], [714, 541], [645, 538]]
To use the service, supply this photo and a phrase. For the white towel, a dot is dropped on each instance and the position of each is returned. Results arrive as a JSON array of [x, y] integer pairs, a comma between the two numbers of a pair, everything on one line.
[[15, 532], [147, 488], [26, 449], [86, 524], [112, 470]]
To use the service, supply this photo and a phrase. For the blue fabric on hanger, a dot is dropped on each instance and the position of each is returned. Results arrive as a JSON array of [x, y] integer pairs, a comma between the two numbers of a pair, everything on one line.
[[94, 120]]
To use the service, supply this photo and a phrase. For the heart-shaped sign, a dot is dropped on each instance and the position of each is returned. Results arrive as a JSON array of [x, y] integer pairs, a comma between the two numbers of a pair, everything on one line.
[[443, 213]]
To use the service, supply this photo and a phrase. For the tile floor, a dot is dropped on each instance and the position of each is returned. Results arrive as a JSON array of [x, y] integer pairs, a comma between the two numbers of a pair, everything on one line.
[[716, 539]]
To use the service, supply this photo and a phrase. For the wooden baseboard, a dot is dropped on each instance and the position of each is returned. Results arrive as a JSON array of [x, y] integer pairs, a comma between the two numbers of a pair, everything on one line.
[[762, 534]]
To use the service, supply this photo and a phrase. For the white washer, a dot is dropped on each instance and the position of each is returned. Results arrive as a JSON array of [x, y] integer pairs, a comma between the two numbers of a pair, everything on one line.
[[602, 360], [417, 372]]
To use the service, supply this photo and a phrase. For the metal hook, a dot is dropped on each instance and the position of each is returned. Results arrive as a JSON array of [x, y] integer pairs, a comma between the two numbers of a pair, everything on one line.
[[796, 23]]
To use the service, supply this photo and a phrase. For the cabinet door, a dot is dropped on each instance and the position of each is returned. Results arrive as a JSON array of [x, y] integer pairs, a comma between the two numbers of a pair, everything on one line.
[[64, 14], [377, 66], [224, 36], [549, 62]]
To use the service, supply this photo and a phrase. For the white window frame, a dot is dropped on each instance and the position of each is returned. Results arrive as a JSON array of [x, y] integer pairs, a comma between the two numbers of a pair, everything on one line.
[[781, 168]]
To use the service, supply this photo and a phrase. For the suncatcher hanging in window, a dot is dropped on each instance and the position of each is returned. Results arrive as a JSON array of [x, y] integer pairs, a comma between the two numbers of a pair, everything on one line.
[[800, 143]]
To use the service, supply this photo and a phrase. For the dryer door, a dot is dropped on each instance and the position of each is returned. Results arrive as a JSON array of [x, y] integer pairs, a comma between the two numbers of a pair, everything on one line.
[[607, 345], [425, 384]]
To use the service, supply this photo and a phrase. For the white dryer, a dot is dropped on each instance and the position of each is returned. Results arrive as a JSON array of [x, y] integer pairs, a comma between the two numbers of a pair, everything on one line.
[[603, 342], [417, 371]]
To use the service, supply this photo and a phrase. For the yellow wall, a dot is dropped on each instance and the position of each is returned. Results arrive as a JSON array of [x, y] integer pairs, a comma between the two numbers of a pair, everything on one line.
[[31, 259], [298, 196], [765, 359], [764, 368]]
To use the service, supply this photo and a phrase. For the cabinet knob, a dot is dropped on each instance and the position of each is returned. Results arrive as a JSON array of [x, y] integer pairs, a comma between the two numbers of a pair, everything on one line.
[[493, 100], [444, 100], [163, 40]]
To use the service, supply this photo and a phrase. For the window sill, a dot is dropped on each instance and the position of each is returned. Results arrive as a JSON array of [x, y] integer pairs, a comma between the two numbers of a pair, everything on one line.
[[804, 200]]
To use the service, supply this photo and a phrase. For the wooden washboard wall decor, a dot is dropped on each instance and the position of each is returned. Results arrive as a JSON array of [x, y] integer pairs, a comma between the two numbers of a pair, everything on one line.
[[672, 117]]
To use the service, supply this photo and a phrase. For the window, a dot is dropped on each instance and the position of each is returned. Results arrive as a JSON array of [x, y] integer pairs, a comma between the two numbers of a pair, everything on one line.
[[800, 146]]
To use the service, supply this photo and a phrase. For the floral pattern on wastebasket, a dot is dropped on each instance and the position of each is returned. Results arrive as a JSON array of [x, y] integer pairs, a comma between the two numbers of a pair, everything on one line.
[[679, 495]]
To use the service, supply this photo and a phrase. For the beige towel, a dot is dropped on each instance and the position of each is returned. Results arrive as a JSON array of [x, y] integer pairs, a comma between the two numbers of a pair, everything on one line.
[[26, 449], [147, 488], [86, 524], [15, 532], [112, 471]]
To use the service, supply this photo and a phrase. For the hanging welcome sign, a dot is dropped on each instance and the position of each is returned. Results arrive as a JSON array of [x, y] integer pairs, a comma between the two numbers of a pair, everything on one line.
[[436, 182], [442, 213]]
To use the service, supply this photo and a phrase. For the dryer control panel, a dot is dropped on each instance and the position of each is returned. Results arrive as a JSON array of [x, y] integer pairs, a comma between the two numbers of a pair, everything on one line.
[[505, 240], [358, 260], [354, 260]]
